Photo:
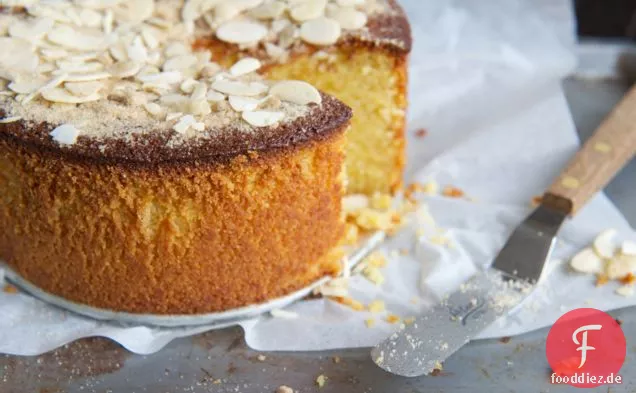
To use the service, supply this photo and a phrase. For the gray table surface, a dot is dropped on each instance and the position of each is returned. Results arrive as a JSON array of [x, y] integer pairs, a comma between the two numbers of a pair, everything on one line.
[[221, 362]]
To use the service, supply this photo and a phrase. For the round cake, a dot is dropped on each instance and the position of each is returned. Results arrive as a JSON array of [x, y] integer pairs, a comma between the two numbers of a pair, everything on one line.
[[137, 175]]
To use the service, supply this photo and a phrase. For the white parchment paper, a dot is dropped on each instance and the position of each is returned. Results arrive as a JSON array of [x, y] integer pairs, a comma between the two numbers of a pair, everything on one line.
[[485, 83]]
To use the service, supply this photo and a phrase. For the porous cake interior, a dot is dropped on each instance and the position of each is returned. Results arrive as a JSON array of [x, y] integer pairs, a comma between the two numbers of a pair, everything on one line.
[[373, 84]]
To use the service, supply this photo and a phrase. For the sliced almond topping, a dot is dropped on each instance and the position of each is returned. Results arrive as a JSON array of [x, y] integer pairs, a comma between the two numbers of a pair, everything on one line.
[[10, 119], [91, 76], [245, 66], [84, 89], [349, 3], [270, 10], [67, 37], [305, 11], [181, 62], [349, 18], [184, 124], [57, 94], [125, 69], [604, 243], [242, 104], [154, 109], [215, 96], [298, 92], [25, 87], [70, 66], [65, 134], [237, 32], [169, 77], [320, 31], [32, 30], [263, 118], [173, 115], [238, 88], [625, 290], [586, 261], [620, 266]]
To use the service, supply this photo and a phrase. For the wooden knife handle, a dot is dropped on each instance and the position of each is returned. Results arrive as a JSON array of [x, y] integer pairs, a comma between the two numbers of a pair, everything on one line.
[[601, 157]]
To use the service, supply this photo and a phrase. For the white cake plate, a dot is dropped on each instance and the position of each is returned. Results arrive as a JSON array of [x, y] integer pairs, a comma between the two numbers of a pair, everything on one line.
[[224, 318]]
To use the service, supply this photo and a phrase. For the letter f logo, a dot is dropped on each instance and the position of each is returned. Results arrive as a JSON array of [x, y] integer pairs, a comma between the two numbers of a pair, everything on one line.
[[584, 347]]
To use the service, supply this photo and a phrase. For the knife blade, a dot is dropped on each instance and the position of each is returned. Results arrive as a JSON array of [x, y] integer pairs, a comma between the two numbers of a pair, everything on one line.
[[419, 348]]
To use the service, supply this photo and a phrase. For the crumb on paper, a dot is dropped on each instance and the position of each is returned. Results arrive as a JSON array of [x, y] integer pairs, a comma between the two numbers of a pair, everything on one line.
[[376, 259], [8, 288], [409, 320], [284, 389], [452, 192], [377, 306], [373, 274], [217, 382], [370, 322], [392, 318], [628, 279], [421, 132], [536, 200], [381, 201], [321, 380], [350, 302], [336, 359], [261, 358], [601, 279]]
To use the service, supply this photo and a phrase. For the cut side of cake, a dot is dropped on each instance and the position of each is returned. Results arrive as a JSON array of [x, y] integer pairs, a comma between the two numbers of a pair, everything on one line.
[[138, 175], [356, 50]]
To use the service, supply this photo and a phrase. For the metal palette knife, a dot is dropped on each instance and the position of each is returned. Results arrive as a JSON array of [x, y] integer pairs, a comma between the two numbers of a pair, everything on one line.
[[420, 347]]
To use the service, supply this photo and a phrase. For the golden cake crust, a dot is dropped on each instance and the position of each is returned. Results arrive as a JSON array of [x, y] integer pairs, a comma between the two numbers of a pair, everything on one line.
[[172, 239]]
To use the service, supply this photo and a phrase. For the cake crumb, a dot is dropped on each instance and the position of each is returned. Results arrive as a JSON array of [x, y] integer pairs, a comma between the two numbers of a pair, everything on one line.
[[284, 389], [373, 274], [628, 279], [8, 288], [536, 200], [377, 306], [376, 259], [409, 320], [370, 322], [421, 132], [452, 192], [381, 201], [392, 318], [321, 380], [350, 302], [336, 359], [601, 279]]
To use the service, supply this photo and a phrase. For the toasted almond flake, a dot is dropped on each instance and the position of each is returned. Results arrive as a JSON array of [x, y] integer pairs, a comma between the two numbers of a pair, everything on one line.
[[57, 94], [625, 290], [154, 109], [320, 31], [241, 32], [215, 96], [587, 261], [10, 119], [137, 51], [245, 66], [604, 243], [180, 62], [188, 85], [90, 17], [135, 11], [173, 115], [107, 22], [65, 134], [242, 104], [263, 118], [628, 248], [284, 314], [149, 38], [620, 266], [184, 124], [53, 54], [25, 87], [169, 77], [349, 18], [32, 30], [305, 11], [71, 66], [239, 88], [175, 49], [83, 89], [270, 10], [125, 69], [68, 37], [297, 92], [199, 92], [91, 76], [377, 306]]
